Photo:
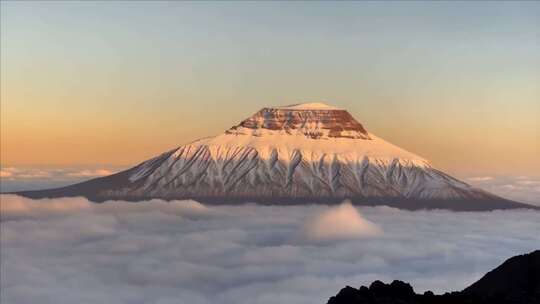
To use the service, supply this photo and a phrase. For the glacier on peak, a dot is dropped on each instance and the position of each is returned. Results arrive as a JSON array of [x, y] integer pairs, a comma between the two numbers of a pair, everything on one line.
[[308, 106]]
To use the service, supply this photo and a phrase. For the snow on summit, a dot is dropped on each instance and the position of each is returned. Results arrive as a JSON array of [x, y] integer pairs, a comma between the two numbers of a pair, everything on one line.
[[308, 106], [313, 128]]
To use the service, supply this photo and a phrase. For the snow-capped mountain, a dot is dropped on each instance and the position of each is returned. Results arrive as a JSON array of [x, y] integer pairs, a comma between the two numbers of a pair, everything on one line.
[[308, 152]]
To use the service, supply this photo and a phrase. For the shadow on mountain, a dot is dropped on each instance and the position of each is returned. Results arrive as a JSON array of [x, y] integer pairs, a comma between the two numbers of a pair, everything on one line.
[[516, 281]]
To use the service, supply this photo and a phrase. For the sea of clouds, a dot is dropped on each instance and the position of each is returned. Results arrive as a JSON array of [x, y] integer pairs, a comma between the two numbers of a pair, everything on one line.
[[70, 250]]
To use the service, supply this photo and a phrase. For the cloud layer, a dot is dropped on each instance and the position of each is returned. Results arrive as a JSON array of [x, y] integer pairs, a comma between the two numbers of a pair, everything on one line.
[[32, 178], [13, 173], [524, 189], [72, 251]]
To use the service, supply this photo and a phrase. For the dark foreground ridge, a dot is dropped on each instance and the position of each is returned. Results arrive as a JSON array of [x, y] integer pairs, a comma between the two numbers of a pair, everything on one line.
[[516, 281]]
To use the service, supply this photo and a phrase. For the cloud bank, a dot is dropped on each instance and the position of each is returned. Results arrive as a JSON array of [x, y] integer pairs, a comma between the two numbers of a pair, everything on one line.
[[524, 189], [339, 223], [72, 251], [33, 178]]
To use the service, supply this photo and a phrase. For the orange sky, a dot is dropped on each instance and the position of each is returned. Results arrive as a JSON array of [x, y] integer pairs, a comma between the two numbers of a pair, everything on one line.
[[89, 84]]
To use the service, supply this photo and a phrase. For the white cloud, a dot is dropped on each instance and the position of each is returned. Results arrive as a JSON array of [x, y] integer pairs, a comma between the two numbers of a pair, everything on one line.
[[63, 173], [519, 188], [90, 173], [20, 173], [480, 178], [15, 207], [5, 173], [339, 223], [72, 251], [529, 182], [32, 178]]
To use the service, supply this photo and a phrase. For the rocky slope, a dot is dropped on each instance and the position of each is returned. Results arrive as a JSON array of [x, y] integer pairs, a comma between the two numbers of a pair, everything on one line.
[[294, 154], [516, 281]]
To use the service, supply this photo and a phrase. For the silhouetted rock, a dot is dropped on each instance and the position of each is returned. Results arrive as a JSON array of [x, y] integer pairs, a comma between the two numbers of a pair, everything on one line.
[[516, 281]]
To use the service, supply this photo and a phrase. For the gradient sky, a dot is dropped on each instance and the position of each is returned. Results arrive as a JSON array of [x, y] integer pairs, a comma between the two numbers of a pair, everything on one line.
[[118, 82]]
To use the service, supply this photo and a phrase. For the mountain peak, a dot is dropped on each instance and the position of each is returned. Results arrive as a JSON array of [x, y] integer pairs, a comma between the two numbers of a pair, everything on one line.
[[308, 106], [313, 120]]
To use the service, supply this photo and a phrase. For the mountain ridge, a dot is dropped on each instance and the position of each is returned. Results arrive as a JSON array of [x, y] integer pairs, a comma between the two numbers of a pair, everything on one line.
[[293, 154]]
